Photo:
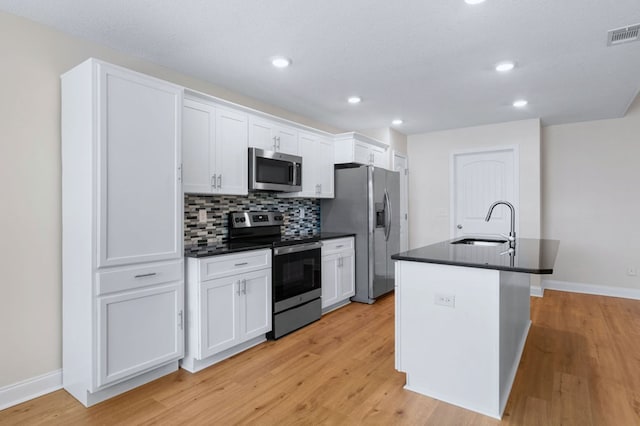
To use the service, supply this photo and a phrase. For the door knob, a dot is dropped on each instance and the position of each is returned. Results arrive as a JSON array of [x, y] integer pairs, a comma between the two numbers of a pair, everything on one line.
[[459, 226]]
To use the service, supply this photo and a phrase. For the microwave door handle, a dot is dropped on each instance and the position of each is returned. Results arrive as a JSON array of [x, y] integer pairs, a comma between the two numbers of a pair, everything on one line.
[[292, 173]]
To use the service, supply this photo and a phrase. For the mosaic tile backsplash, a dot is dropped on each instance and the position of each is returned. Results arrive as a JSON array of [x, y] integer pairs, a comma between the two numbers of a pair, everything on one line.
[[215, 230]]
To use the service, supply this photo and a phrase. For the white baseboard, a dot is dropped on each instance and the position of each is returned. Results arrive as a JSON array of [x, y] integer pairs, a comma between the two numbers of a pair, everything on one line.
[[31, 388], [537, 291], [600, 290]]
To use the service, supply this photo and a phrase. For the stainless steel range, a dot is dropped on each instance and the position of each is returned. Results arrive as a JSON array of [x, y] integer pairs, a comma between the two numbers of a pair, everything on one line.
[[296, 273]]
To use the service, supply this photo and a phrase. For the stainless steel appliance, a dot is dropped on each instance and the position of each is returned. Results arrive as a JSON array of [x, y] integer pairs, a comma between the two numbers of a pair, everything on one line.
[[295, 268], [274, 171], [367, 203]]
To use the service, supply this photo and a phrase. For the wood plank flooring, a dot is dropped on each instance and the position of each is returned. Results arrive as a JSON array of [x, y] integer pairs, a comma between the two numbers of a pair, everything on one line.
[[581, 366]]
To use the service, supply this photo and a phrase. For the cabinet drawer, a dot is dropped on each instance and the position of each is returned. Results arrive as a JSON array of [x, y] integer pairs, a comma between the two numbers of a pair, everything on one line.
[[337, 245], [230, 264], [129, 278]]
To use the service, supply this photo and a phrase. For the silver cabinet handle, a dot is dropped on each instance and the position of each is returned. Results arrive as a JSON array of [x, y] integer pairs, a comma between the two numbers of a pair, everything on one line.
[[320, 189], [275, 146], [459, 226], [219, 181], [340, 246], [244, 286], [278, 143], [181, 323], [213, 181], [241, 264], [239, 287], [145, 275], [180, 173]]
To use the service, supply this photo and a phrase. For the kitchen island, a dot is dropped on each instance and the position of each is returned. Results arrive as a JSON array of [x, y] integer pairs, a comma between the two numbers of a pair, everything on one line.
[[462, 317]]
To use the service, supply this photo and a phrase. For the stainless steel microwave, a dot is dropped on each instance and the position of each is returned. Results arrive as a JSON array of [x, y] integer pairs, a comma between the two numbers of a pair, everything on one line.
[[274, 171]]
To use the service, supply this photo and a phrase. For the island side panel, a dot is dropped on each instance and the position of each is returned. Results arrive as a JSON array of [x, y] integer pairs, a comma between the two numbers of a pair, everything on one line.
[[515, 320], [449, 353]]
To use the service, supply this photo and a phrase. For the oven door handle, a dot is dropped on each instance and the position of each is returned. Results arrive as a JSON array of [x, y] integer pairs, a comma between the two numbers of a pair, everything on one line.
[[279, 251]]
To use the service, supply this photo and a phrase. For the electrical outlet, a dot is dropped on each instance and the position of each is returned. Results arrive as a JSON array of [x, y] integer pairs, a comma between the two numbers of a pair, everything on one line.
[[301, 213], [202, 215], [632, 271], [448, 300]]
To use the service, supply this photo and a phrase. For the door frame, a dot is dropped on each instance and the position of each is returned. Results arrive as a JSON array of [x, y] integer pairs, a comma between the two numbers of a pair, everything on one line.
[[483, 150], [395, 154]]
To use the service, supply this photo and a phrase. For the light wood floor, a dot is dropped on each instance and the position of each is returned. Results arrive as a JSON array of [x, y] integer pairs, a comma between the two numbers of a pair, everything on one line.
[[581, 366]]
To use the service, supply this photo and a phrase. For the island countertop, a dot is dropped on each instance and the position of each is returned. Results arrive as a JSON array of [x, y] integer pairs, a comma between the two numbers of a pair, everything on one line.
[[533, 256]]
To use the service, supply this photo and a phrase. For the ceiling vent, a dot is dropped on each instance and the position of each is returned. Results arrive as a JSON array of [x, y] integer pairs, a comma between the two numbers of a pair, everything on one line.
[[623, 35]]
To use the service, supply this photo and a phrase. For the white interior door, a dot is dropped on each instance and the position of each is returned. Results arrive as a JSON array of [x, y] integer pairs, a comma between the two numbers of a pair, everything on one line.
[[400, 165], [479, 179]]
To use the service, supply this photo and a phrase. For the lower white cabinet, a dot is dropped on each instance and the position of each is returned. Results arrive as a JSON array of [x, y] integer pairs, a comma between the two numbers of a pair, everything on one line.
[[338, 272], [229, 313], [138, 330]]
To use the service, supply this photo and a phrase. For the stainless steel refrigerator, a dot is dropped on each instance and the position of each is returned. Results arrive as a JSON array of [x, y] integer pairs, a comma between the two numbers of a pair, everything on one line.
[[367, 203]]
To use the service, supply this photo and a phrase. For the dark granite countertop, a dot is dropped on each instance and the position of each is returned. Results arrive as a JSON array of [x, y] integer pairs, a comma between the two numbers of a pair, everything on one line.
[[235, 247], [532, 255]]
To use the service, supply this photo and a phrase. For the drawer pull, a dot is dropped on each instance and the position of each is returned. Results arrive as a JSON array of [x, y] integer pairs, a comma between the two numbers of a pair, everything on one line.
[[340, 246], [145, 275], [241, 264]]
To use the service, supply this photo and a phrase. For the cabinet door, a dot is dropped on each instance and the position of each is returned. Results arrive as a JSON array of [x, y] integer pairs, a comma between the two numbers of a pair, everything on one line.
[[198, 147], [287, 140], [379, 156], [231, 146], [330, 279], [261, 134], [308, 152], [324, 168], [255, 304], [139, 188], [219, 313], [362, 153], [347, 286], [138, 331]]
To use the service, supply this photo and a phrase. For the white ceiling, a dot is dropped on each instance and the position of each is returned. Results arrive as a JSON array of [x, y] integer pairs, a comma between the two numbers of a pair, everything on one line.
[[429, 62]]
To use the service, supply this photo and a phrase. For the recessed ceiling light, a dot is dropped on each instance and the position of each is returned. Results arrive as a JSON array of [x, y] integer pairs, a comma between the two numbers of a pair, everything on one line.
[[505, 66], [397, 121], [354, 99], [520, 103], [280, 62], [473, 1]]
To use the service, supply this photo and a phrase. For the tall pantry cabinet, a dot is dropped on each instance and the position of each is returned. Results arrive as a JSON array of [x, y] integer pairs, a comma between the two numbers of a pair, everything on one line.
[[122, 264]]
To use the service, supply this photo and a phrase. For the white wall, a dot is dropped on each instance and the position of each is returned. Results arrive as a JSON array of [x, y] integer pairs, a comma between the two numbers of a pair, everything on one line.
[[591, 199], [429, 187], [33, 57]]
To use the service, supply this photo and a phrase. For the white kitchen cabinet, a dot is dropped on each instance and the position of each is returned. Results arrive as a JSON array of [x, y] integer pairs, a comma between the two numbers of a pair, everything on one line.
[[214, 147], [272, 136], [317, 167], [228, 305], [360, 149], [338, 272], [122, 242], [137, 330]]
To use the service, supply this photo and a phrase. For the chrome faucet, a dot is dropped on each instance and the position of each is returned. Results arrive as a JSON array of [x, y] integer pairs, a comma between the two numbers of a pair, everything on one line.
[[512, 233]]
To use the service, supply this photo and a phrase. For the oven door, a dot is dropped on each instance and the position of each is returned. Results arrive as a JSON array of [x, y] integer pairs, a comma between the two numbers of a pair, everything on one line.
[[296, 275], [274, 171]]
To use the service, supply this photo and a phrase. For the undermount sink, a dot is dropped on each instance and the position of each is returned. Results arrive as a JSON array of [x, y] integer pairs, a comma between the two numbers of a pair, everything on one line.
[[487, 242]]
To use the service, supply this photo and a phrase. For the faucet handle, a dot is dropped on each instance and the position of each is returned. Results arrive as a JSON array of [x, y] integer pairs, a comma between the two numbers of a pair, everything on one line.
[[510, 238]]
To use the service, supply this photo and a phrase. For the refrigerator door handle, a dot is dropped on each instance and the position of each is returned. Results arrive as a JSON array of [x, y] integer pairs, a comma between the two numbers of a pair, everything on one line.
[[387, 214]]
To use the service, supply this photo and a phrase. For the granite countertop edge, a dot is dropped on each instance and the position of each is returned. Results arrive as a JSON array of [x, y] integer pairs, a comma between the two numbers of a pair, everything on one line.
[[199, 252]]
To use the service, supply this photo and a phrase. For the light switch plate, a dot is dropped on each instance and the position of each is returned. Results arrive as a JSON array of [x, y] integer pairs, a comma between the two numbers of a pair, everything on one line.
[[202, 215]]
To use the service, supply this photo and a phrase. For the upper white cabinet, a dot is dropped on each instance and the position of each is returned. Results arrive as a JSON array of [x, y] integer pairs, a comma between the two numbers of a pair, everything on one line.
[[122, 219], [356, 148], [272, 136], [317, 167], [138, 172], [214, 146]]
